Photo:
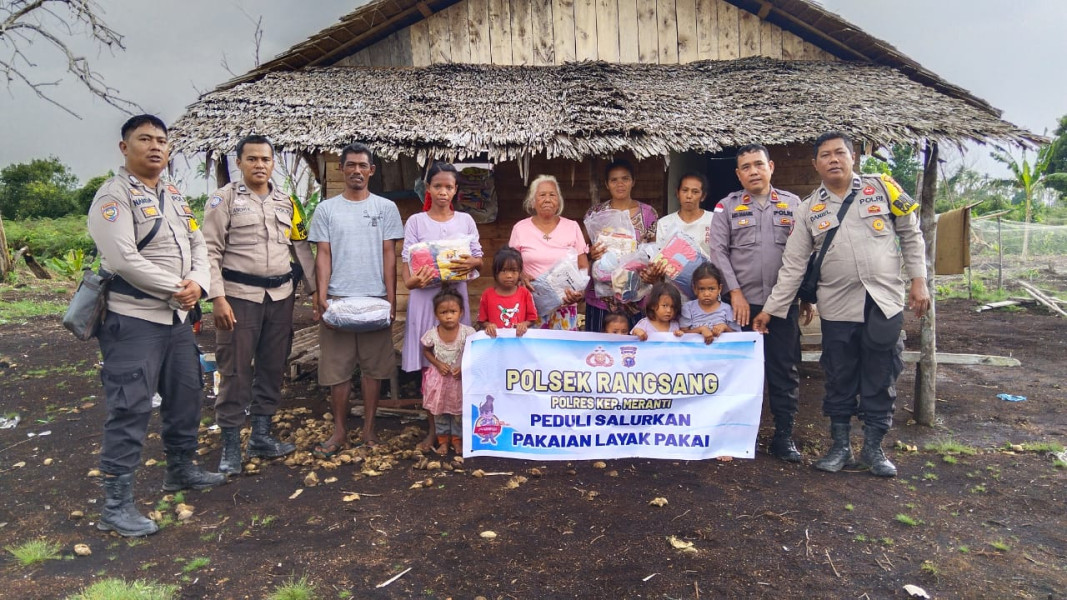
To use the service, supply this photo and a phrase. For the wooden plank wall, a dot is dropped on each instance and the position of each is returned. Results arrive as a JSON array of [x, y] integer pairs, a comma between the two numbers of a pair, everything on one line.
[[573, 177], [547, 32]]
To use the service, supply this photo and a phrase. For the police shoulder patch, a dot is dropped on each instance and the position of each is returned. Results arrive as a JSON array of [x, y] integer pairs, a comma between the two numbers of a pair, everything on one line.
[[719, 207], [215, 201], [110, 211]]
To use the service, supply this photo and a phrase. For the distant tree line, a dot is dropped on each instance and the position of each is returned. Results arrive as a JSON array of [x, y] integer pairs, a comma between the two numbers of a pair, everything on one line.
[[44, 187]]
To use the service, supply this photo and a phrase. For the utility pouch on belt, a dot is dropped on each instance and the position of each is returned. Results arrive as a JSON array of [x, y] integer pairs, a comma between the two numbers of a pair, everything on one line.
[[88, 307], [881, 333]]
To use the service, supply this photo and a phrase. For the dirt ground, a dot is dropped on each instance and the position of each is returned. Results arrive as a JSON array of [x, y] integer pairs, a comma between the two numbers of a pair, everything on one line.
[[985, 525]]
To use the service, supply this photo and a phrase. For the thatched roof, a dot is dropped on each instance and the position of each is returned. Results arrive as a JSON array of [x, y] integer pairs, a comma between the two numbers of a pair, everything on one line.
[[580, 109]]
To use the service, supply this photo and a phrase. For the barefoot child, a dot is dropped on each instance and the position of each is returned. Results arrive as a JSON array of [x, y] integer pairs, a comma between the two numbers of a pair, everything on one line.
[[661, 312], [616, 323], [506, 305], [442, 390], [438, 221], [707, 315]]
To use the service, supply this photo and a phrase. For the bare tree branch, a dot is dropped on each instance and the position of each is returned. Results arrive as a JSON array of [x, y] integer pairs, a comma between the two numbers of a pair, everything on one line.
[[23, 22]]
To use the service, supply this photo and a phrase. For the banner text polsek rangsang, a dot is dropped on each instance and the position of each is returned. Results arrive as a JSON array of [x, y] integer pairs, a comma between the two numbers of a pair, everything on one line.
[[554, 395]]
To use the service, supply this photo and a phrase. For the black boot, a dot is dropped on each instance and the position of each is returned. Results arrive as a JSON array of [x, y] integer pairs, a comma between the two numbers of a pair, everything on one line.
[[230, 464], [261, 443], [840, 453], [184, 474], [119, 513], [872, 455], [782, 445]]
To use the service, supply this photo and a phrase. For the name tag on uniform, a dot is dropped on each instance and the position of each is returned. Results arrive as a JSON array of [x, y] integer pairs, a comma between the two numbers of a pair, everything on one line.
[[823, 224]]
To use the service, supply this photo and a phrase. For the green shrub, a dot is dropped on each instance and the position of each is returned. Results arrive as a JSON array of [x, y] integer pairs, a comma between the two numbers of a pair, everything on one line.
[[50, 238]]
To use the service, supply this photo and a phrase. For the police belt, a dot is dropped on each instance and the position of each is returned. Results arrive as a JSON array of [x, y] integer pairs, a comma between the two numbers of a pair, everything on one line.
[[121, 286], [256, 280]]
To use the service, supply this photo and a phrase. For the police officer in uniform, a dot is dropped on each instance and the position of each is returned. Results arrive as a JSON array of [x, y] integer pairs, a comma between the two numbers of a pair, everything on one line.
[[150, 242], [748, 235], [252, 228], [860, 294]]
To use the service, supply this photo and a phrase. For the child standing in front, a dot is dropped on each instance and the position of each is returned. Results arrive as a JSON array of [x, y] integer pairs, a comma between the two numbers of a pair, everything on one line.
[[616, 323], [661, 311], [707, 315], [438, 221], [506, 305], [442, 390]]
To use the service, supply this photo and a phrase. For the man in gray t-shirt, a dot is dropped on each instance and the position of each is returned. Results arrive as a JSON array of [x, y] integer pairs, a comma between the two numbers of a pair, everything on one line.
[[355, 234]]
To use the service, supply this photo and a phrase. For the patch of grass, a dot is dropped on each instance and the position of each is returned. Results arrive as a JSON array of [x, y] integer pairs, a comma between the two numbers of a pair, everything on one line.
[[949, 459], [860, 538], [886, 541], [1043, 447], [905, 519], [34, 551], [978, 489], [20, 310], [929, 465], [930, 476], [910, 506], [179, 497], [1059, 464], [849, 507], [344, 594], [294, 589], [148, 565], [950, 446], [929, 568], [197, 563], [1000, 545], [119, 589], [258, 521], [964, 550]]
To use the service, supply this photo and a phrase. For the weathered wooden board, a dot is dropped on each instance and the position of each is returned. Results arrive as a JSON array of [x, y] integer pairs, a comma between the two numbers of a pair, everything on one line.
[[708, 29], [770, 40], [607, 30], [458, 25], [647, 32], [420, 43], [563, 30], [628, 45], [440, 39], [585, 30], [668, 32], [729, 31], [749, 33], [686, 11], [521, 33], [544, 52], [500, 31], [478, 31]]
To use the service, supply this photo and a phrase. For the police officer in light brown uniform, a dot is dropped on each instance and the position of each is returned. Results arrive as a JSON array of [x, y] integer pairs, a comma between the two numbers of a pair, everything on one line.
[[748, 236], [860, 294], [150, 242], [252, 230]]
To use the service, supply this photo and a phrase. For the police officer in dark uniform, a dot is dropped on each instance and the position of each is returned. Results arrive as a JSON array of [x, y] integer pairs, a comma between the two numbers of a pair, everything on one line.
[[252, 230], [748, 236], [860, 294], [150, 242]]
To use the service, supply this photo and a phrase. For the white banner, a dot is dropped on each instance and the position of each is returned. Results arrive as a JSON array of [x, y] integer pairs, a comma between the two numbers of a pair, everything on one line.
[[556, 395]]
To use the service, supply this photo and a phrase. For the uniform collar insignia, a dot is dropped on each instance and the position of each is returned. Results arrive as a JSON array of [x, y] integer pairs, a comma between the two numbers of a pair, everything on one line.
[[241, 189], [746, 199], [135, 181], [774, 195], [857, 183], [823, 193]]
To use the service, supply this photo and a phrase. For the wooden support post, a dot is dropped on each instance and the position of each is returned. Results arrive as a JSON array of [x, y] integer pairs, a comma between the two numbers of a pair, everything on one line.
[[926, 368], [594, 183], [7, 265], [222, 169], [1000, 258]]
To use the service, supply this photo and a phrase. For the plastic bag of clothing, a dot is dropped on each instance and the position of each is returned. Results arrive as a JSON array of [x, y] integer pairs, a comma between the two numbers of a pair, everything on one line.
[[680, 257], [358, 314], [438, 256], [549, 287]]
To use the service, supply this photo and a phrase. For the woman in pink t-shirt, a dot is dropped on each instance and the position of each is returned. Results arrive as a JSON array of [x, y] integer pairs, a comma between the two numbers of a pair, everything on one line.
[[546, 237]]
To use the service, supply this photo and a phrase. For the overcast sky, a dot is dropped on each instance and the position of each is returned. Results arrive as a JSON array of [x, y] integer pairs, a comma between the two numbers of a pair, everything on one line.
[[1006, 52]]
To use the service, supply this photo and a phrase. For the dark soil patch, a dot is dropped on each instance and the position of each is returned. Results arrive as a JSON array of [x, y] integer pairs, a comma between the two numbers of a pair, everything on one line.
[[761, 528]]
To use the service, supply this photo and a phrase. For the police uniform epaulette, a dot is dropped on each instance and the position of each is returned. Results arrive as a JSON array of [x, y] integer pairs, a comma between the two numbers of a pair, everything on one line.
[[900, 203]]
